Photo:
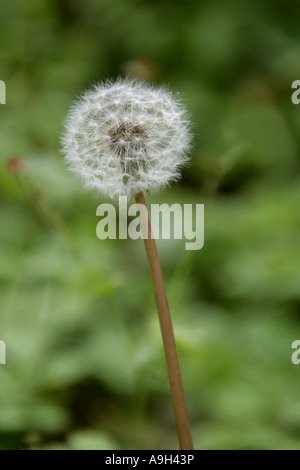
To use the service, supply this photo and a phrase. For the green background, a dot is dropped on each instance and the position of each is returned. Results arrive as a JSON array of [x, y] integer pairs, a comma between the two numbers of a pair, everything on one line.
[[85, 366]]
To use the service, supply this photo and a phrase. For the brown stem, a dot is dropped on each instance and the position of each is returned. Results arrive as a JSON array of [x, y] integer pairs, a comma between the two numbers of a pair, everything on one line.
[[175, 379]]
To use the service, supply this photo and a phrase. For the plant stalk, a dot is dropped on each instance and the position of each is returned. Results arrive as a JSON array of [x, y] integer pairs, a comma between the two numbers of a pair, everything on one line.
[[175, 378]]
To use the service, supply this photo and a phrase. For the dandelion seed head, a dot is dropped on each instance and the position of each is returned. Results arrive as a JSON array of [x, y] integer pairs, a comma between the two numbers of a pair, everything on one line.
[[126, 136]]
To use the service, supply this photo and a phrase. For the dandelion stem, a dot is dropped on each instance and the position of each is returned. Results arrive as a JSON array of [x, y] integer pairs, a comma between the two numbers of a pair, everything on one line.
[[175, 379]]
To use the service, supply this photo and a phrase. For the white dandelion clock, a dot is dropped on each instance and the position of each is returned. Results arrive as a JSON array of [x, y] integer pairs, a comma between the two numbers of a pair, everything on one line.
[[126, 136]]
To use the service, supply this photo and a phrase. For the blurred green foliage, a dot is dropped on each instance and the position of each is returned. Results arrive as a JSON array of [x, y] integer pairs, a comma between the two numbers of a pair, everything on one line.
[[85, 362]]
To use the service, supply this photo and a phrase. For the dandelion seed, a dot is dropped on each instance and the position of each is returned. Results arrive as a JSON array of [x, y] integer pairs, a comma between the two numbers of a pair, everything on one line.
[[126, 136]]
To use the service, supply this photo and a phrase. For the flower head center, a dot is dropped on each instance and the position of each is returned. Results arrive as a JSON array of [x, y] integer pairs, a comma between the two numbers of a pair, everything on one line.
[[126, 138]]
